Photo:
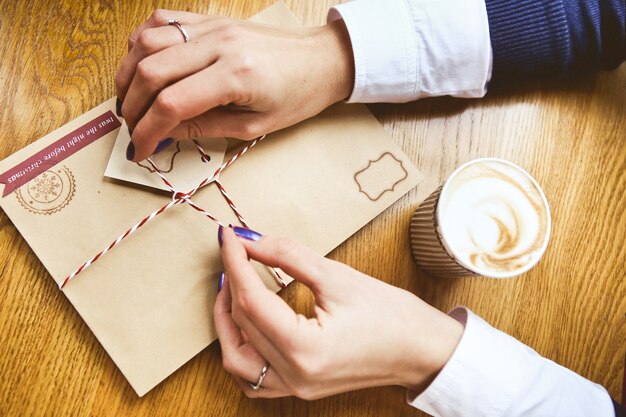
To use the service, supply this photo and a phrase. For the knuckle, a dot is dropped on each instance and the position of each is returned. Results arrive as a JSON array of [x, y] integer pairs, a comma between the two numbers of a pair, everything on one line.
[[231, 92], [228, 32], [228, 363], [309, 368], [241, 87], [249, 130], [146, 72], [295, 347], [285, 248], [303, 392], [147, 41], [243, 78], [305, 369], [158, 17], [241, 311], [246, 64], [166, 104], [305, 383], [237, 316], [245, 302]]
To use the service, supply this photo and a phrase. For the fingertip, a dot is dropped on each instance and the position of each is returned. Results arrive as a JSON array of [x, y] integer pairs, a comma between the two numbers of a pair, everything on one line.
[[231, 246], [247, 234], [141, 149], [130, 151], [220, 232], [162, 145], [224, 239], [227, 234], [223, 297], [118, 107], [235, 258], [139, 154], [151, 130], [220, 282]]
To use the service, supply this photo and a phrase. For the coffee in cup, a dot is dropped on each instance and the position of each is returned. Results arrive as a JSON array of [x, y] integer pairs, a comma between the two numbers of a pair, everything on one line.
[[489, 218]]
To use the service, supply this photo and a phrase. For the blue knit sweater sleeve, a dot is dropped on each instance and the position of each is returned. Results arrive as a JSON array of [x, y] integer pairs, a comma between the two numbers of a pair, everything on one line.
[[532, 37]]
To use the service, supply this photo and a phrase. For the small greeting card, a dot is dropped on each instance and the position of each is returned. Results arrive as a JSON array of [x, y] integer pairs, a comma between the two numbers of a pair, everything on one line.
[[185, 163]]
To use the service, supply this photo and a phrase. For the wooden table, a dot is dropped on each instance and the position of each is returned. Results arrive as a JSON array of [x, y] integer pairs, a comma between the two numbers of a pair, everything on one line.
[[59, 60]]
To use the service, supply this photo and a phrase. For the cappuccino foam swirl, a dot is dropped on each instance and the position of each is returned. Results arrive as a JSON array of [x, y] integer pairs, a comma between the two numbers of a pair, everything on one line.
[[493, 218]]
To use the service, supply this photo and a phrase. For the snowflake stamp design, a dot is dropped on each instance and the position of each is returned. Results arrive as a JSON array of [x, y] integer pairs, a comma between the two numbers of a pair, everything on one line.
[[48, 193]]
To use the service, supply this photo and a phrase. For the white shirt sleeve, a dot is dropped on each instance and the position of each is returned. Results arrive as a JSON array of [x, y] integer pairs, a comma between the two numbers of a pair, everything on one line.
[[409, 49], [492, 374]]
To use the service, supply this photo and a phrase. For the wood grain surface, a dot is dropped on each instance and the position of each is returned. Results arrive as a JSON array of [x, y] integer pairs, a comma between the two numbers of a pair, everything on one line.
[[58, 59]]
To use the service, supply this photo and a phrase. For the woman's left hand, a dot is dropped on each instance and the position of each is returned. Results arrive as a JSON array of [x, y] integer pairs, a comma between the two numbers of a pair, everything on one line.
[[364, 332], [232, 78]]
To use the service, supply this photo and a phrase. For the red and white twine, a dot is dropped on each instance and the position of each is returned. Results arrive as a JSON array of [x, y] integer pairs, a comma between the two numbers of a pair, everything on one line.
[[179, 198]]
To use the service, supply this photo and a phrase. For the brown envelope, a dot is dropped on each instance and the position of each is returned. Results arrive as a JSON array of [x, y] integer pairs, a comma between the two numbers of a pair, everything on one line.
[[149, 301]]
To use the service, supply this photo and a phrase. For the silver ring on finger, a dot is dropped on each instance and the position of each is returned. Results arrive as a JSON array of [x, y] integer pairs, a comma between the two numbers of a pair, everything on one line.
[[175, 22], [257, 386]]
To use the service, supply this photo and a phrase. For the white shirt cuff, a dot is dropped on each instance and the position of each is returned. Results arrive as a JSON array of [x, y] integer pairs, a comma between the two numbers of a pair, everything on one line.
[[409, 49], [492, 374]]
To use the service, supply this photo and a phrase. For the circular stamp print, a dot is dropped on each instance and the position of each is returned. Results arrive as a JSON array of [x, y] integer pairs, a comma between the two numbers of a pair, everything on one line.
[[49, 193]]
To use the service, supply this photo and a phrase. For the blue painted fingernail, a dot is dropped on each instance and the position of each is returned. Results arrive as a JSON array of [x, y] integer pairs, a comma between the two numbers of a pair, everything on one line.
[[118, 108], [220, 230], [247, 233], [163, 144], [220, 283], [130, 151]]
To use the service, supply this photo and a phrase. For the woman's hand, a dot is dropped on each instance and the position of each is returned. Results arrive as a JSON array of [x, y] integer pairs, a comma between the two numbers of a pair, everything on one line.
[[365, 333], [233, 78]]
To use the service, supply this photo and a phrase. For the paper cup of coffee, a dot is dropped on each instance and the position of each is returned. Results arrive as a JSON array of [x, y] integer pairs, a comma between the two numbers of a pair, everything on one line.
[[489, 218]]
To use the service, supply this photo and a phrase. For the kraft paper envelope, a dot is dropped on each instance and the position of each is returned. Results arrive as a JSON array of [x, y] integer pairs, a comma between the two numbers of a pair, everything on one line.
[[149, 300]]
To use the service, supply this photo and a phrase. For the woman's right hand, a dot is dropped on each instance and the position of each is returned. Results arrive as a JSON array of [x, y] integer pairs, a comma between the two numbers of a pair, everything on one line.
[[233, 78], [364, 332]]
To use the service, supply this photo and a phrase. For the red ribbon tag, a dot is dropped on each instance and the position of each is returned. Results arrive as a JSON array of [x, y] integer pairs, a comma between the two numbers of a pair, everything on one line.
[[52, 154]]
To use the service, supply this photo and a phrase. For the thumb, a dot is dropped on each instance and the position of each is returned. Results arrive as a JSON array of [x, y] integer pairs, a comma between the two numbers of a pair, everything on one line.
[[297, 260]]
